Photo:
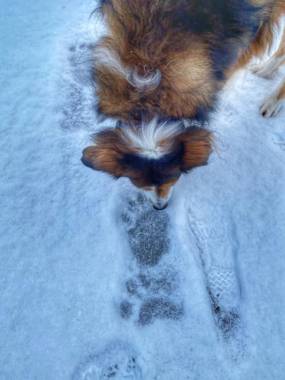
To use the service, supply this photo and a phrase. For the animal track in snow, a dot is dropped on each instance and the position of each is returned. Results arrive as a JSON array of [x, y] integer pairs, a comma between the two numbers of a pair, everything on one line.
[[78, 110], [159, 308], [153, 292], [156, 295], [147, 231], [117, 361], [161, 283]]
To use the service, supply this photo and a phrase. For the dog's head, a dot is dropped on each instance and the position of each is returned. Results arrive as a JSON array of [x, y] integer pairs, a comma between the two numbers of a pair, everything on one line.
[[153, 156]]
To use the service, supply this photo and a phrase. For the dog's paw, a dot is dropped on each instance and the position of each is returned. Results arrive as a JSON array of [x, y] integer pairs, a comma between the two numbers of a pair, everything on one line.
[[266, 71], [271, 107]]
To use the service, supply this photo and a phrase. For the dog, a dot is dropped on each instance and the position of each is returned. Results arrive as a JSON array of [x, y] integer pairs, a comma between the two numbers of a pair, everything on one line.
[[158, 69]]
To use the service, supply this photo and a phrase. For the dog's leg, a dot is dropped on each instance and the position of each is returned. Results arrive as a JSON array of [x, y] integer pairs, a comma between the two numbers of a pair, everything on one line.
[[264, 38], [270, 67], [262, 41], [273, 105]]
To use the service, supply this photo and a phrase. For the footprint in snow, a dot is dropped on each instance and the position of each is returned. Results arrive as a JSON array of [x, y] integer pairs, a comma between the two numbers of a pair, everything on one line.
[[151, 295], [147, 231], [117, 361], [153, 292], [77, 109], [223, 288], [220, 274]]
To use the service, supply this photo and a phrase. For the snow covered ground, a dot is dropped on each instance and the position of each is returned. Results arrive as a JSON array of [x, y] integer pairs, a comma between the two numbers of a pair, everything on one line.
[[94, 284]]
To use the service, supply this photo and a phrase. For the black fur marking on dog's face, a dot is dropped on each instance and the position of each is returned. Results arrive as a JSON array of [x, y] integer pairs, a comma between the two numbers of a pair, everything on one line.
[[155, 172]]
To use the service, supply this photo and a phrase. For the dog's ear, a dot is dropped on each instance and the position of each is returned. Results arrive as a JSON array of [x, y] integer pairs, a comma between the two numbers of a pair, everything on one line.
[[197, 147], [106, 154]]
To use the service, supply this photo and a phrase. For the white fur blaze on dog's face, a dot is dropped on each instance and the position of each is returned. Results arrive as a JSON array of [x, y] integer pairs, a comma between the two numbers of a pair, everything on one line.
[[160, 201], [152, 156]]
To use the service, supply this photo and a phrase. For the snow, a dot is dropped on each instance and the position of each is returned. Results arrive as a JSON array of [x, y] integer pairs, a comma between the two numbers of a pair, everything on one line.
[[81, 297]]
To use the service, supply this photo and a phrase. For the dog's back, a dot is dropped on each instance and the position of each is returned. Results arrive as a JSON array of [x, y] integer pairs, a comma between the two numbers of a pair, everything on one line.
[[169, 57]]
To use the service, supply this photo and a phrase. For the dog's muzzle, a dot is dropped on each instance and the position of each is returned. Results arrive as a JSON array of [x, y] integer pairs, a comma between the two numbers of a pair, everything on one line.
[[160, 206], [158, 203]]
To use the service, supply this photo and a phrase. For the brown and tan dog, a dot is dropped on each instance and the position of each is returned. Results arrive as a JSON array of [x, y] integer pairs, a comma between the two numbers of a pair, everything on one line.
[[161, 63]]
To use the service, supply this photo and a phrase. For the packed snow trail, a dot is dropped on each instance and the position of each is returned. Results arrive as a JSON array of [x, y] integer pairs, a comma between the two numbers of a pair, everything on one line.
[[94, 284]]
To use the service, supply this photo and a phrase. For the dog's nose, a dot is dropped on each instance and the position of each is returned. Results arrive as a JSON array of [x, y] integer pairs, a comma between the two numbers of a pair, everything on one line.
[[160, 207]]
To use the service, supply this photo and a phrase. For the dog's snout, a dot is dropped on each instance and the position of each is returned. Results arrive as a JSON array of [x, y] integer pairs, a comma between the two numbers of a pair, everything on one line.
[[160, 207], [158, 202]]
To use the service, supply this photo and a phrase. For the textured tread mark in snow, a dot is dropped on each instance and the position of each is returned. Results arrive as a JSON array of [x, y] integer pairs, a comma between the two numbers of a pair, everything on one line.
[[117, 362], [222, 282], [147, 231], [223, 288]]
